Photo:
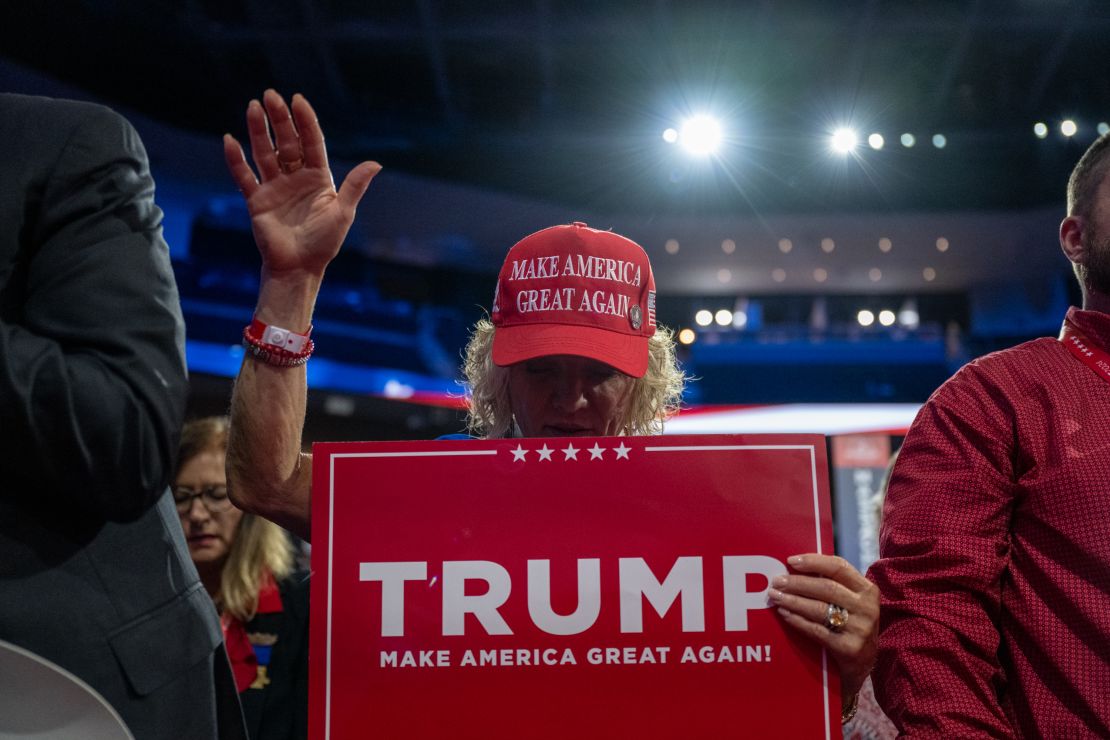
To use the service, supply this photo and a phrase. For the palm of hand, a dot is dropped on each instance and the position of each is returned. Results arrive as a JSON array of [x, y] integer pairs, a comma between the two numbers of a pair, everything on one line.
[[298, 220]]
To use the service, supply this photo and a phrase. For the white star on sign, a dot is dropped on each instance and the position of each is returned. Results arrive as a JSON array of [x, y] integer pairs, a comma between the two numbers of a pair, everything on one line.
[[596, 451], [571, 452], [519, 453], [622, 451], [545, 453]]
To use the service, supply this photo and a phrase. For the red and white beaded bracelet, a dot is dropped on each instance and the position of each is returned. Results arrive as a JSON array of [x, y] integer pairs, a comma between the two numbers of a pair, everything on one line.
[[276, 346]]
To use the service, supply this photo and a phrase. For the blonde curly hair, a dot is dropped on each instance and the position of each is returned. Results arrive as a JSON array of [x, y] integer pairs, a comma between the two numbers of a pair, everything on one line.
[[655, 397]]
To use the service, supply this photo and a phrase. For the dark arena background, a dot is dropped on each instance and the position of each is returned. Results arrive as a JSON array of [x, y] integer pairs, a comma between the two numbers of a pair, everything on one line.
[[843, 202]]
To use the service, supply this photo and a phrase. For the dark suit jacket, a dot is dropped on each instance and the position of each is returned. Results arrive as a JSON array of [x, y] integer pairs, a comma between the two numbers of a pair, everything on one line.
[[94, 572]]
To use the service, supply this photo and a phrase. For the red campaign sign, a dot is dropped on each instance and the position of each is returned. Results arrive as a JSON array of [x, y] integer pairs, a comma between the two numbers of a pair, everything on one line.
[[552, 588]]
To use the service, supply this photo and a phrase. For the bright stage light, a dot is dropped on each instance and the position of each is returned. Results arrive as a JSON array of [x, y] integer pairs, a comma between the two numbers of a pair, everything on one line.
[[703, 317], [1040, 129], [907, 315], [886, 317], [908, 140], [940, 141], [739, 320], [865, 318], [844, 141], [723, 317], [876, 141], [687, 336], [1068, 127], [1103, 128], [701, 135], [670, 135]]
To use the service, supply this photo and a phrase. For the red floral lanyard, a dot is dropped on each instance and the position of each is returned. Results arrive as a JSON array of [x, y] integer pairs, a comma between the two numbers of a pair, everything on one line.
[[1085, 351]]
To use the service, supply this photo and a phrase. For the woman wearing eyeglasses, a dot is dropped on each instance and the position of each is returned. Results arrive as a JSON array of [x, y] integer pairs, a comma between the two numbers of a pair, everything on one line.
[[246, 564]]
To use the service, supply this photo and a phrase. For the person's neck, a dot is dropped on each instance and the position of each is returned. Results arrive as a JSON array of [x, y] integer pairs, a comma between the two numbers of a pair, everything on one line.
[[1096, 301], [210, 577]]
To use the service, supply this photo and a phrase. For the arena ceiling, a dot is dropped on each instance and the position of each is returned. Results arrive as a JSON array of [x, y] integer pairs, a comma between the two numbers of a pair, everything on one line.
[[565, 101]]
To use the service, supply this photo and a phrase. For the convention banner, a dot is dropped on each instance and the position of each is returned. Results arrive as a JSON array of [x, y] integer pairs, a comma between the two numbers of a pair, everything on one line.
[[553, 588], [859, 464]]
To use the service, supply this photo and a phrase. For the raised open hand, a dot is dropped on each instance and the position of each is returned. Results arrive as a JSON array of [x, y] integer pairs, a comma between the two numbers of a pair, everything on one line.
[[298, 218]]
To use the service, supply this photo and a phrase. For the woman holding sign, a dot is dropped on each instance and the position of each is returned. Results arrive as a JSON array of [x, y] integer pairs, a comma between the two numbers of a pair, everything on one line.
[[571, 348]]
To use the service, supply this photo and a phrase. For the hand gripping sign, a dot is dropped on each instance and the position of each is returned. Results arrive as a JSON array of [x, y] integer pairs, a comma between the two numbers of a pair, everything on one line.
[[552, 588]]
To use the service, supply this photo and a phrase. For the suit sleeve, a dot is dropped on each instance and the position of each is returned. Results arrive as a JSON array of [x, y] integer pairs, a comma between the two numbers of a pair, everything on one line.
[[92, 373], [943, 548]]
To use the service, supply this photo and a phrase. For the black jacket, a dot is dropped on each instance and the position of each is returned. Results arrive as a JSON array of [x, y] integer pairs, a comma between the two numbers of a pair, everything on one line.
[[94, 572], [279, 711]]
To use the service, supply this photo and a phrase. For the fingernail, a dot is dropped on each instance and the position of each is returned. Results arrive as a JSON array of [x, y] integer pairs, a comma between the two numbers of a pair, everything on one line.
[[774, 594], [796, 559], [779, 581]]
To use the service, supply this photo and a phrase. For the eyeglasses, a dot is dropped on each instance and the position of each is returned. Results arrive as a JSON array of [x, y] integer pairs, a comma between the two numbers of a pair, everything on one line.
[[214, 498]]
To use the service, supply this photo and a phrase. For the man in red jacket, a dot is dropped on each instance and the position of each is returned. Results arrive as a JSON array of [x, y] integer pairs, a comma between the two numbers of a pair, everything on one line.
[[995, 547]]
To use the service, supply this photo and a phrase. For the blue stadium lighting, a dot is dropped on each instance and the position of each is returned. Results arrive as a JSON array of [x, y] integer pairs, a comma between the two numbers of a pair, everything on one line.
[[1040, 129], [1068, 127], [670, 135], [224, 360]]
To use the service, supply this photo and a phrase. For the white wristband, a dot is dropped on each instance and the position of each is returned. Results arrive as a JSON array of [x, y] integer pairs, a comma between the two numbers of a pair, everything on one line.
[[275, 336]]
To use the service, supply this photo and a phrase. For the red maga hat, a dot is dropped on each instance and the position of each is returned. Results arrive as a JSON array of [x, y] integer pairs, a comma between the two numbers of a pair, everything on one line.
[[573, 290]]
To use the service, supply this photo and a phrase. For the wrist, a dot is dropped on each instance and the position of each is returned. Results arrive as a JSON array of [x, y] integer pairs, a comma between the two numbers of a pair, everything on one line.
[[287, 299]]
